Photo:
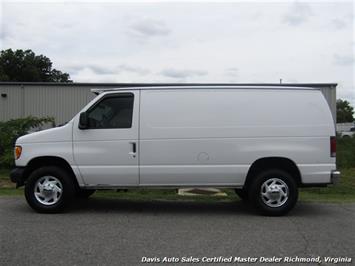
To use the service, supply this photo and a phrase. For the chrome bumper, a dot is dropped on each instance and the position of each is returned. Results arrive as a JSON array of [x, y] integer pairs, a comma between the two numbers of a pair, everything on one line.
[[334, 176]]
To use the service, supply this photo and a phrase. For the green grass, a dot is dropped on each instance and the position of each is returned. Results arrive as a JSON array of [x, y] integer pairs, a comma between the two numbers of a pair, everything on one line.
[[4, 173], [342, 192], [346, 153], [11, 192], [7, 188], [163, 194]]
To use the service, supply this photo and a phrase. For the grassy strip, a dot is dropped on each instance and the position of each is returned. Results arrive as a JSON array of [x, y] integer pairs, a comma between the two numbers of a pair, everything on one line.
[[4, 174], [342, 192], [163, 194], [11, 192], [7, 188]]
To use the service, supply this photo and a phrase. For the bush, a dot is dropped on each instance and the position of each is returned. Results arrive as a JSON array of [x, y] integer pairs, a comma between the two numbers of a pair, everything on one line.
[[11, 130], [346, 152]]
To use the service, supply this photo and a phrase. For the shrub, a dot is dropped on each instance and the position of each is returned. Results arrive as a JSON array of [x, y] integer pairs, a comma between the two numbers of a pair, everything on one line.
[[346, 152], [11, 130]]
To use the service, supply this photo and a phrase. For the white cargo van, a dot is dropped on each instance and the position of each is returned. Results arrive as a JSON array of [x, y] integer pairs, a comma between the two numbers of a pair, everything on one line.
[[264, 142]]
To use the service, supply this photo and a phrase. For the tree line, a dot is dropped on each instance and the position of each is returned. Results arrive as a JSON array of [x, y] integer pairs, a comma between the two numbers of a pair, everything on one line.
[[25, 65]]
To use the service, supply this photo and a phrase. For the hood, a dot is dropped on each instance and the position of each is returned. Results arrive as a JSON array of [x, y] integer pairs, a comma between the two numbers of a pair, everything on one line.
[[57, 134]]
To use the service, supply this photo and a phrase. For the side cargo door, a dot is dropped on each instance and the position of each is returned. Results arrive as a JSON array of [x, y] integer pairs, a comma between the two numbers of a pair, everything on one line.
[[188, 138], [106, 152]]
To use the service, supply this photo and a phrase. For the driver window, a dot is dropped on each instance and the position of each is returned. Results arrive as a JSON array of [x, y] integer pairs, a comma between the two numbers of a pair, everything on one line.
[[112, 112]]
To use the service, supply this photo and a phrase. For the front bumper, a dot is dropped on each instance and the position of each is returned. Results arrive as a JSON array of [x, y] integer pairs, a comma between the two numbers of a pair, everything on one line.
[[17, 176], [334, 176]]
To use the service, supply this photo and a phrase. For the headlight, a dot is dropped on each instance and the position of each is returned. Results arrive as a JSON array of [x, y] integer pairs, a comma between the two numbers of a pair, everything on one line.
[[18, 151]]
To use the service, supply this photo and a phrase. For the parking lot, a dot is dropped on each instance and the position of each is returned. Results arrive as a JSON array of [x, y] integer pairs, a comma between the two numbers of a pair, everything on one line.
[[118, 232]]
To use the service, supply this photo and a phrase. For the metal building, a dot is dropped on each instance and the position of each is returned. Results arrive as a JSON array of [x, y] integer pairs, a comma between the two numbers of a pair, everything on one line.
[[63, 100]]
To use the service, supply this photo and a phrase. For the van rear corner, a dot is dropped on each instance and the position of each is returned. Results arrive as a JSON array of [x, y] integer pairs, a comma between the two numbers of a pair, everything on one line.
[[323, 171]]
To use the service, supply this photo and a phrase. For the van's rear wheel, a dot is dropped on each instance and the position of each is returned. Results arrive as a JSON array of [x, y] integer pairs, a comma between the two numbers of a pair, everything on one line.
[[274, 192], [49, 189]]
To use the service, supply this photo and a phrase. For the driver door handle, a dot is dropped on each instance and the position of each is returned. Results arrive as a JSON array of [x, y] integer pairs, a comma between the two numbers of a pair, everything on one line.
[[133, 151]]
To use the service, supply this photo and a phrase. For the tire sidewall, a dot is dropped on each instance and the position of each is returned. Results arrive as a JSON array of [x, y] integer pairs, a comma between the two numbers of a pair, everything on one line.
[[62, 176], [255, 195]]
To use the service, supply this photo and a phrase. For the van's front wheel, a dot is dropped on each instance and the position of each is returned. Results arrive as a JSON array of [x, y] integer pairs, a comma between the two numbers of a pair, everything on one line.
[[274, 192], [49, 189]]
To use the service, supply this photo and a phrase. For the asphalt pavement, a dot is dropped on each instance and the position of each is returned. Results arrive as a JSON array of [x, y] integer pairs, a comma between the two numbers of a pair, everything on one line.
[[118, 232]]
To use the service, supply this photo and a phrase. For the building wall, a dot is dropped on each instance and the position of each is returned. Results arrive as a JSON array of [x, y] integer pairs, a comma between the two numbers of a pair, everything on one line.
[[63, 101], [60, 102], [330, 95], [11, 106]]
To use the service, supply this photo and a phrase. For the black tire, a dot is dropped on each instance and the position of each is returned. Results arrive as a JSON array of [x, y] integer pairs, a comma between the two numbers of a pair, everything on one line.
[[66, 195], [242, 194], [85, 193], [259, 201]]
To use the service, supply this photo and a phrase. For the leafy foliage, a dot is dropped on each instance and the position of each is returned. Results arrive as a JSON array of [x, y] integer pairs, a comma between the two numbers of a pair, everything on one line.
[[344, 111], [346, 152], [11, 130], [25, 65]]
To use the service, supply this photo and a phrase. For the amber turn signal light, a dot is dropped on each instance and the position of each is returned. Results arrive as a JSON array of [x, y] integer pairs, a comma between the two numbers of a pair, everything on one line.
[[18, 151]]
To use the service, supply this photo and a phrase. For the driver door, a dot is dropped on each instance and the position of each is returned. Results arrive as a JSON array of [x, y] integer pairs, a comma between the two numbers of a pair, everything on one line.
[[106, 152]]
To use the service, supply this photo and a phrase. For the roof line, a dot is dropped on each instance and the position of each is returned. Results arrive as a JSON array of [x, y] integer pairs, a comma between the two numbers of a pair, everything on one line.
[[117, 85], [102, 90]]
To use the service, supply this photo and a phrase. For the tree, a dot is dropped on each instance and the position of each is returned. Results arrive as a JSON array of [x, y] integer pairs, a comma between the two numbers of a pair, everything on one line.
[[344, 111], [11, 130], [25, 65]]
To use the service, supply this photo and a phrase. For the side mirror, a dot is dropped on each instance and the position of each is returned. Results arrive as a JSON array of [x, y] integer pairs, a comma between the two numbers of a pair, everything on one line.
[[83, 121]]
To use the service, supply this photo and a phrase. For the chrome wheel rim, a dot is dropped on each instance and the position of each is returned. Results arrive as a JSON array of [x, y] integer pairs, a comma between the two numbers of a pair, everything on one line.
[[48, 190], [274, 192]]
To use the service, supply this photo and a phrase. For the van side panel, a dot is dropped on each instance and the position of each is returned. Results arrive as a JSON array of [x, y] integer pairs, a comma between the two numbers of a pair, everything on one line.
[[212, 136]]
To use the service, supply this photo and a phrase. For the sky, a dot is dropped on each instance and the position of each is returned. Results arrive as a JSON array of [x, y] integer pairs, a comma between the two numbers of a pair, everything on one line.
[[232, 41]]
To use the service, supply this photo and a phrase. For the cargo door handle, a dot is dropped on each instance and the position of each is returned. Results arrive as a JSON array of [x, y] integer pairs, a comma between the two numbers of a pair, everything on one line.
[[133, 151]]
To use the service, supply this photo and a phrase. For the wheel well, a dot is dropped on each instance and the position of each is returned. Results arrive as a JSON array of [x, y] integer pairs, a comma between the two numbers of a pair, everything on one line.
[[282, 163], [50, 161]]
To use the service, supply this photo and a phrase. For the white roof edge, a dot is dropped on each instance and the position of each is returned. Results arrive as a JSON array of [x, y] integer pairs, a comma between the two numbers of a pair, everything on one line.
[[202, 87]]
